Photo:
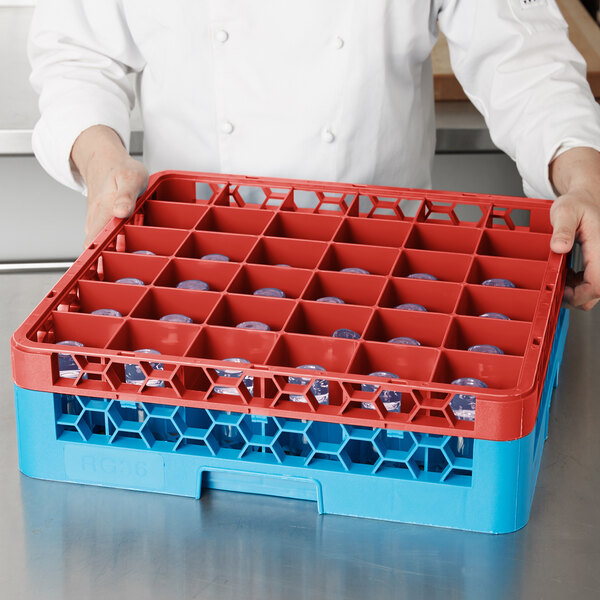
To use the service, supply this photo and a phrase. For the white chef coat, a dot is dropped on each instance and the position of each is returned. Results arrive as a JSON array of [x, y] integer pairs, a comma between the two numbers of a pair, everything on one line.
[[336, 90]]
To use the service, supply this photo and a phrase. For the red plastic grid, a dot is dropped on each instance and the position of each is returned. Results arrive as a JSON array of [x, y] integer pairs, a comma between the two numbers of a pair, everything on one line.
[[461, 239]]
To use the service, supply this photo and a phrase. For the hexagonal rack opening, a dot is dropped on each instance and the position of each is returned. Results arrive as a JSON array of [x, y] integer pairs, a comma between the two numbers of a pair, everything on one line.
[[225, 430], [389, 453]]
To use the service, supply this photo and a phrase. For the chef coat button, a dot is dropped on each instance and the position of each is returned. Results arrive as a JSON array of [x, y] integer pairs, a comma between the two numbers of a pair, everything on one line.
[[227, 127], [338, 43], [221, 36], [327, 136]]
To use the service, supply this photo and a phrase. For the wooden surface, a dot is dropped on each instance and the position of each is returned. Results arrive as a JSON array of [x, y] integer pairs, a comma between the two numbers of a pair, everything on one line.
[[583, 31]]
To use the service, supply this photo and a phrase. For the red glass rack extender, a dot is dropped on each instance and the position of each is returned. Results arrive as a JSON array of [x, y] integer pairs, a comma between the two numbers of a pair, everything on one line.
[[317, 229]]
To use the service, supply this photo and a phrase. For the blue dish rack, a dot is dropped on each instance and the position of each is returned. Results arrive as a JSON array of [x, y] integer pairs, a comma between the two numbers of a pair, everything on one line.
[[445, 481]]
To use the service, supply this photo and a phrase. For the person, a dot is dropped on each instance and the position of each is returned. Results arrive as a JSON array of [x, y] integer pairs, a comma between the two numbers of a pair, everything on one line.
[[334, 91]]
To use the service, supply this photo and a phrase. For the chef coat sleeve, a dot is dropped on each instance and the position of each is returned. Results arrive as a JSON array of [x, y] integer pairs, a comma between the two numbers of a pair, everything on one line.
[[518, 67], [81, 53]]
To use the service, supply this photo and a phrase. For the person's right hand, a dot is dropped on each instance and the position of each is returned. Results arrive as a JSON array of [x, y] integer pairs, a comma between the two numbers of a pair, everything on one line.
[[114, 180]]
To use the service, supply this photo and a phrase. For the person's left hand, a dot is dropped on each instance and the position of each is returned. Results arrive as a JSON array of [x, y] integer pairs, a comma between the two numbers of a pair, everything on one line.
[[575, 216]]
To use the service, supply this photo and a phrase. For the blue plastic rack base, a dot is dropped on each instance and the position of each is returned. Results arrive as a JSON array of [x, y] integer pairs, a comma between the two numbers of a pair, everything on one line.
[[445, 481]]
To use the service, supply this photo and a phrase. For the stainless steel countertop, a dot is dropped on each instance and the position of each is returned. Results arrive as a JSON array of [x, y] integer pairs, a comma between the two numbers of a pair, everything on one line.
[[63, 541], [460, 128]]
